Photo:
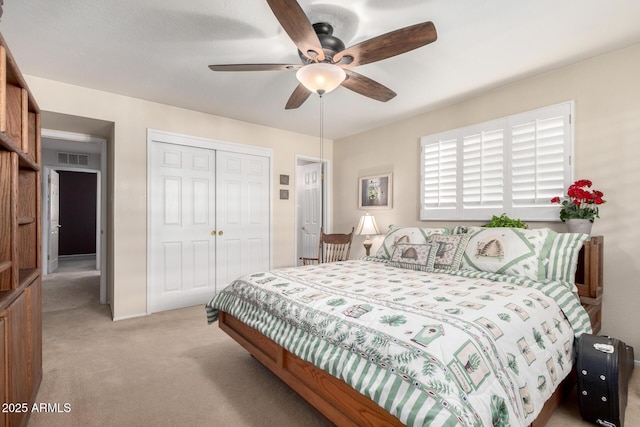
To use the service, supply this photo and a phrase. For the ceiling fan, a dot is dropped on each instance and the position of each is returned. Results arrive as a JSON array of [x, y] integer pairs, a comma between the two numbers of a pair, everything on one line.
[[318, 48]]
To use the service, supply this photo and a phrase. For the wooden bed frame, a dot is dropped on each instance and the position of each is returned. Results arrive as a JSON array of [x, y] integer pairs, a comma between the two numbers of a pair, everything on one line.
[[344, 406]]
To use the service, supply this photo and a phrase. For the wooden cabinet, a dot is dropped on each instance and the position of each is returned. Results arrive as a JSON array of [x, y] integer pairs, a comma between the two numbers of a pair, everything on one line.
[[20, 241]]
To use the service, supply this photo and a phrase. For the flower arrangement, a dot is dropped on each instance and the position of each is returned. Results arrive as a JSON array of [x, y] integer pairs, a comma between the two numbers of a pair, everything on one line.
[[581, 202]]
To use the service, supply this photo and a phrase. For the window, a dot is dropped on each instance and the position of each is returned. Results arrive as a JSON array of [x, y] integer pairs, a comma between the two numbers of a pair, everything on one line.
[[512, 165]]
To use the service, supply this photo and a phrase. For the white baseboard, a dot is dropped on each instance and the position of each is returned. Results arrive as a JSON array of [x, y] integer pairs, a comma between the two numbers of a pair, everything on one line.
[[129, 316]]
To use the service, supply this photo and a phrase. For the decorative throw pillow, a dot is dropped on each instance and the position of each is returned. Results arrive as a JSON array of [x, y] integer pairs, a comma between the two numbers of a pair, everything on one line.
[[563, 256], [414, 256], [513, 251], [450, 250], [397, 235]]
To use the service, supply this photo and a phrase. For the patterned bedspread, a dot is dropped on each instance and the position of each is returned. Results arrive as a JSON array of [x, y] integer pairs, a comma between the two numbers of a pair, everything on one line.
[[441, 349]]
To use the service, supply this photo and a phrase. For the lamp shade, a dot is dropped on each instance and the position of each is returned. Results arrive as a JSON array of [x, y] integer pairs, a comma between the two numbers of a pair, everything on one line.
[[367, 225], [321, 77]]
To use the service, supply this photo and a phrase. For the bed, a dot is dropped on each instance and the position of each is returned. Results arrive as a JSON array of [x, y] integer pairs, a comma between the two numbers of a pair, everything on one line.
[[403, 338]]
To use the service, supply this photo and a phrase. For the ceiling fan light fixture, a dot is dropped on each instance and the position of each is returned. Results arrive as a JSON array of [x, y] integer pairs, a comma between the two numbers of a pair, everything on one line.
[[321, 77]]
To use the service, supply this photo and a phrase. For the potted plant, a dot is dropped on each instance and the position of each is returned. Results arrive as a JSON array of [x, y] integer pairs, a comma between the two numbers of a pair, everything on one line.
[[580, 206], [505, 221]]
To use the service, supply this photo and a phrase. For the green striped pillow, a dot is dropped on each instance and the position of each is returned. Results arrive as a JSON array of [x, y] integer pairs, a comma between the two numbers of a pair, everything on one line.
[[563, 256]]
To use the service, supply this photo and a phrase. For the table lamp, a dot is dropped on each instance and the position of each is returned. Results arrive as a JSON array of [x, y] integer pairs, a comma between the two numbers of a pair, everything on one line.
[[367, 226]]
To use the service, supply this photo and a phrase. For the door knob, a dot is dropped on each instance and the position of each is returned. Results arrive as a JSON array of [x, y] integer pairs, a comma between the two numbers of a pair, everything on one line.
[[213, 233], [220, 233]]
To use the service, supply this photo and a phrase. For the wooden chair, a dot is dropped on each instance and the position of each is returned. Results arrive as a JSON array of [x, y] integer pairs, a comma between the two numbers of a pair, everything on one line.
[[331, 248]]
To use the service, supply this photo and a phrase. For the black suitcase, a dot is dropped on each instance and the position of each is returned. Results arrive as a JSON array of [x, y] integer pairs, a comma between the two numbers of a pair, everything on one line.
[[604, 366]]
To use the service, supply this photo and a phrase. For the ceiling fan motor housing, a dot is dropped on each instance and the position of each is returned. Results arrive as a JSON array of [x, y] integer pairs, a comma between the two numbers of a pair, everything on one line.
[[330, 44]]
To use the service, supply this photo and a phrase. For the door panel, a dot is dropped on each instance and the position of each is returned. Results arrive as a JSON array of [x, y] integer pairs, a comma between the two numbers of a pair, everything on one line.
[[54, 220], [312, 209], [243, 241], [182, 218]]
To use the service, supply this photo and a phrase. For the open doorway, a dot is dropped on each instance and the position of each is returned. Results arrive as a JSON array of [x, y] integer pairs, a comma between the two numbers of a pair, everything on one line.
[[76, 220], [312, 183], [74, 203]]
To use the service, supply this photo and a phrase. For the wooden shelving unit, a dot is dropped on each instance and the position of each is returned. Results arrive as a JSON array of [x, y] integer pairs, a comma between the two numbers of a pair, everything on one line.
[[20, 242]]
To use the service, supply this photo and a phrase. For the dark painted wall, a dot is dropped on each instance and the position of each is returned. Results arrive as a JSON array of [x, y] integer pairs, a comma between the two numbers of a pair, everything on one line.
[[78, 194]]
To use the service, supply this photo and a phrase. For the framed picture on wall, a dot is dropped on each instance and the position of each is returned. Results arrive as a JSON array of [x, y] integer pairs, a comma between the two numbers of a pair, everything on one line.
[[375, 192]]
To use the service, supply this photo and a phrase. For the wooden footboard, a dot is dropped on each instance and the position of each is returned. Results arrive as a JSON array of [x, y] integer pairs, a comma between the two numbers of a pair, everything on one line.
[[344, 406], [334, 398]]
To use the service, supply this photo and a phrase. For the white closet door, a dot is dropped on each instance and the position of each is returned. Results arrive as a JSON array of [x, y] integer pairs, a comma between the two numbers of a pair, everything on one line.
[[242, 221], [182, 220]]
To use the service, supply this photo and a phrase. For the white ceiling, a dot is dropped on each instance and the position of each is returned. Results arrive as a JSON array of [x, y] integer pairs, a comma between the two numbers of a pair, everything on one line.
[[159, 50]]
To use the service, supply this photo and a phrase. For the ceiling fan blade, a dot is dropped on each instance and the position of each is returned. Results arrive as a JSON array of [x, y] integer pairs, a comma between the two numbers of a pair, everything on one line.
[[297, 26], [254, 67], [367, 87], [297, 98], [388, 45]]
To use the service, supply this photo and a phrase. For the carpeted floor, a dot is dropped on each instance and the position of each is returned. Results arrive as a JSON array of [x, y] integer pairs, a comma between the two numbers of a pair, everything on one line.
[[169, 369]]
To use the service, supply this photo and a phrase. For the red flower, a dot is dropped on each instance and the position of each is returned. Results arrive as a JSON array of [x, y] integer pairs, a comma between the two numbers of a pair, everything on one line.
[[580, 202], [583, 183]]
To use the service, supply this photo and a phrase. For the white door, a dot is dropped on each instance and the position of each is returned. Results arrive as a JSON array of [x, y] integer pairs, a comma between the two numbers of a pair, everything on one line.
[[242, 217], [54, 220], [311, 210], [182, 222]]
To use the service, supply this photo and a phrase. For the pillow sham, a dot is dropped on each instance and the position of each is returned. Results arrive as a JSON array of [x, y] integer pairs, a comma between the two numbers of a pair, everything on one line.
[[450, 250], [513, 251], [563, 256], [397, 235], [414, 256]]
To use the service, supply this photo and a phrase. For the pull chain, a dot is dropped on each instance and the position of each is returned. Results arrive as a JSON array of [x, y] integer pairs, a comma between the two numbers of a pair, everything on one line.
[[322, 187], [321, 138]]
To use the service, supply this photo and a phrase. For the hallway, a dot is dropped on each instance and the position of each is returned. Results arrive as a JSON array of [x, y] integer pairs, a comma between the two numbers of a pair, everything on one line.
[[74, 284]]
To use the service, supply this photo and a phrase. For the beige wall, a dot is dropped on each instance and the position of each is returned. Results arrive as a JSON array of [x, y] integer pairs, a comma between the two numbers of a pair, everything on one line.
[[606, 90], [128, 174]]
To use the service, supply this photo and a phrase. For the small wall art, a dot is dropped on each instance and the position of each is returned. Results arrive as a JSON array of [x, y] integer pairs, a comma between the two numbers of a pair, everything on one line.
[[375, 192]]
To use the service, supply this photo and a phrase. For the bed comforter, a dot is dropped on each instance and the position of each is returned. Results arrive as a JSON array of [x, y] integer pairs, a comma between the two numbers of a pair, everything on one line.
[[432, 348]]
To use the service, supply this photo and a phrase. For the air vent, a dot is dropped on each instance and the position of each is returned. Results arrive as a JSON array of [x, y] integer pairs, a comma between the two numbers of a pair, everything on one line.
[[73, 159]]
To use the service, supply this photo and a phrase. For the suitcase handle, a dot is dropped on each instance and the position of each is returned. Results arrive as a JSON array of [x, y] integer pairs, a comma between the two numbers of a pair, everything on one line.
[[605, 348]]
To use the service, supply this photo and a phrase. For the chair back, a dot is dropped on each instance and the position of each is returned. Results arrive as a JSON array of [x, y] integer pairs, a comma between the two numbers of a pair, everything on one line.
[[334, 247]]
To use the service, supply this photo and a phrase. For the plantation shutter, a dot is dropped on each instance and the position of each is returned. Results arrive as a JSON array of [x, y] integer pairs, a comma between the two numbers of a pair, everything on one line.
[[513, 165], [483, 169], [540, 160], [439, 170]]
